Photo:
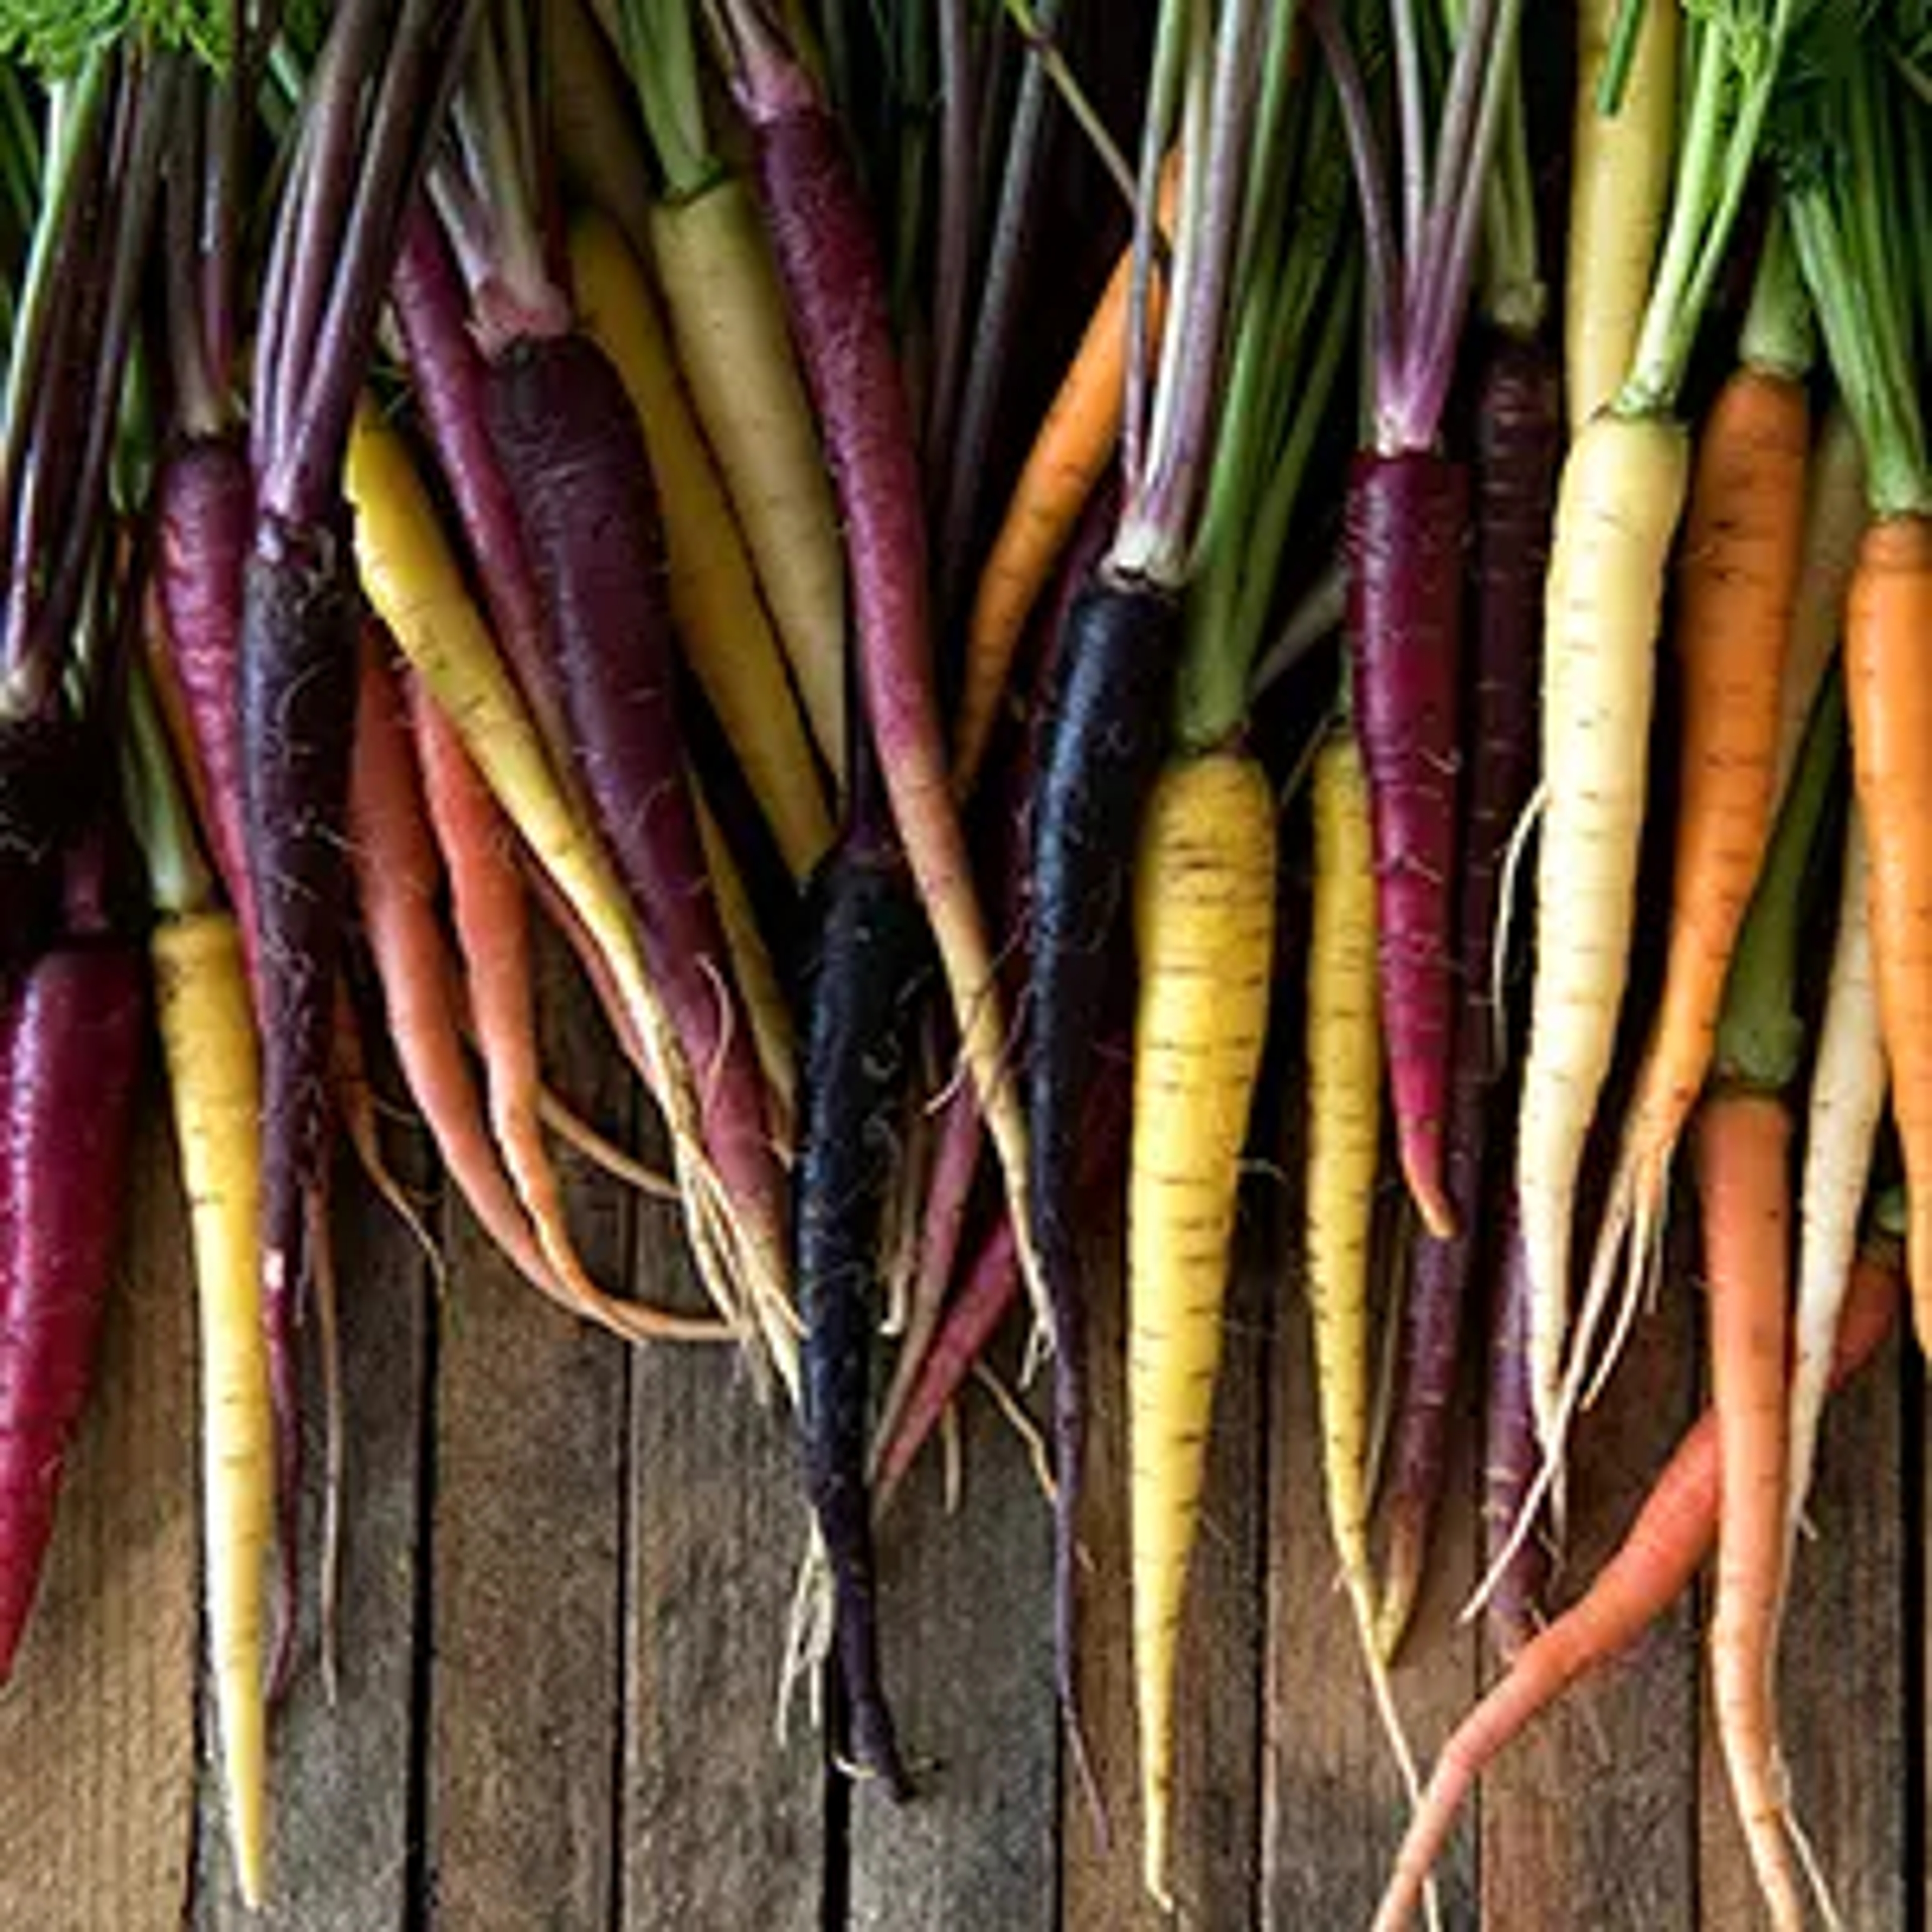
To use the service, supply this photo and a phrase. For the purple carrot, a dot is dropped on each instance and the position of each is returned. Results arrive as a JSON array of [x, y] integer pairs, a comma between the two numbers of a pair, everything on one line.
[[1408, 515], [69, 1066], [427, 295], [870, 945], [1510, 1455], [1104, 732], [835, 290], [1518, 440], [1408, 519], [204, 515], [573, 455]]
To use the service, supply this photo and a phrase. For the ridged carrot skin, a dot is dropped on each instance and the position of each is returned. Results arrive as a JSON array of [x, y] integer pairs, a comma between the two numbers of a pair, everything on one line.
[[67, 1088], [207, 1027], [1204, 924], [1408, 522], [1652, 1567], [1737, 589], [1619, 184], [1888, 621], [1618, 504], [1743, 1150]]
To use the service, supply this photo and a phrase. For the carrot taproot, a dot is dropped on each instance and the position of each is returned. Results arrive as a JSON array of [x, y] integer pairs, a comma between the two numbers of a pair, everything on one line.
[[1651, 1568], [68, 1091], [206, 1022], [1888, 617], [1743, 1148], [1623, 485], [715, 604], [1737, 582], [1204, 929], [1619, 183], [1077, 440], [1847, 1099]]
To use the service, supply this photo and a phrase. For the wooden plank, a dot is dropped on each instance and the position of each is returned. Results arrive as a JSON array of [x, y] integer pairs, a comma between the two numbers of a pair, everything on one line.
[[96, 1728], [1843, 1656], [1334, 1805], [966, 1601], [1217, 1824], [721, 1826], [1628, 1737], [340, 1850], [524, 1690]]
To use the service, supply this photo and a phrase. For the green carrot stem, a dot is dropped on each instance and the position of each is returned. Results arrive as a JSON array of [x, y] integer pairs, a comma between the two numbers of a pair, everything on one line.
[[660, 48], [1760, 1036], [1777, 333], [179, 880]]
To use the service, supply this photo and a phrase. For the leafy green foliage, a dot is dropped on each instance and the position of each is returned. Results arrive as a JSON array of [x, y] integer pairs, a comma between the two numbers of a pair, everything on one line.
[[56, 36]]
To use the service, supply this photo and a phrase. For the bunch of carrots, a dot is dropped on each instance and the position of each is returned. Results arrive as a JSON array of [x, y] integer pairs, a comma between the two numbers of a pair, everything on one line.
[[468, 466]]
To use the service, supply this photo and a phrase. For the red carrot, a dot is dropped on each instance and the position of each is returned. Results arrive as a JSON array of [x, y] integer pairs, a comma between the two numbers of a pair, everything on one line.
[[69, 1059]]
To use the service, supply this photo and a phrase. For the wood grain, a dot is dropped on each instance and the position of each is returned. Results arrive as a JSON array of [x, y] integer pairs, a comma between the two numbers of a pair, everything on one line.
[[967, 1610], [523, 1726], [722, 1824], [97, 1727]]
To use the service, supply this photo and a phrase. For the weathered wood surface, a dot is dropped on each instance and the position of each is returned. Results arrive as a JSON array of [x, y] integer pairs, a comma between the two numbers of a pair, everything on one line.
[[566, 1720]]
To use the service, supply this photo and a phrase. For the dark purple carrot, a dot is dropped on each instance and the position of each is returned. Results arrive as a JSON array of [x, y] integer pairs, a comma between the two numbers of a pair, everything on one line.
[[1510, 1454], [1103, 734], [1518, 440], [204, 516], [69, 1063], [447, 369], [1408, 520], [870, 944], [835, 290], [573, 455], [371, 108]]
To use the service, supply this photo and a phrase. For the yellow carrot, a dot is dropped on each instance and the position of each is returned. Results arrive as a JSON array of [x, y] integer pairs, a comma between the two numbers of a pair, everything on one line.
[[208, 1036], [1619, 177], [714, 596], [1204, 926], [727, 319]]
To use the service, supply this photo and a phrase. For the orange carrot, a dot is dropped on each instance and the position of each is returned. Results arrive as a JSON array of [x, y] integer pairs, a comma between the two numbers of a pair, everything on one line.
[[397, 876], [1071, 453], [1651, 1568], [1737, 587], [1743, 1149], [1888, 623]]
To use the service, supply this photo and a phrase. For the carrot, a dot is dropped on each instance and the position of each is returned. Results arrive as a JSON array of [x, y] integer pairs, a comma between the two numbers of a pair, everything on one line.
[[1848, 1089], [1652, 1567], [1204, 928], [1623, 490], [728, 317], [1520, 1564], [829, 265], [413, 584], [1860, 252], [1619, 184], [1742, 1152], [397, 876], [67, 1092], [1077, 440], [1889, 612], [714, 597], [1737, 584]]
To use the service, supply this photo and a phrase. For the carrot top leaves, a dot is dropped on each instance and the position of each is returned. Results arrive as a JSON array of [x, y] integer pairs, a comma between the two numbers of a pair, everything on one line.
[[1838, 141], [58, 36], [1760, 1038], [1735, 60]]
